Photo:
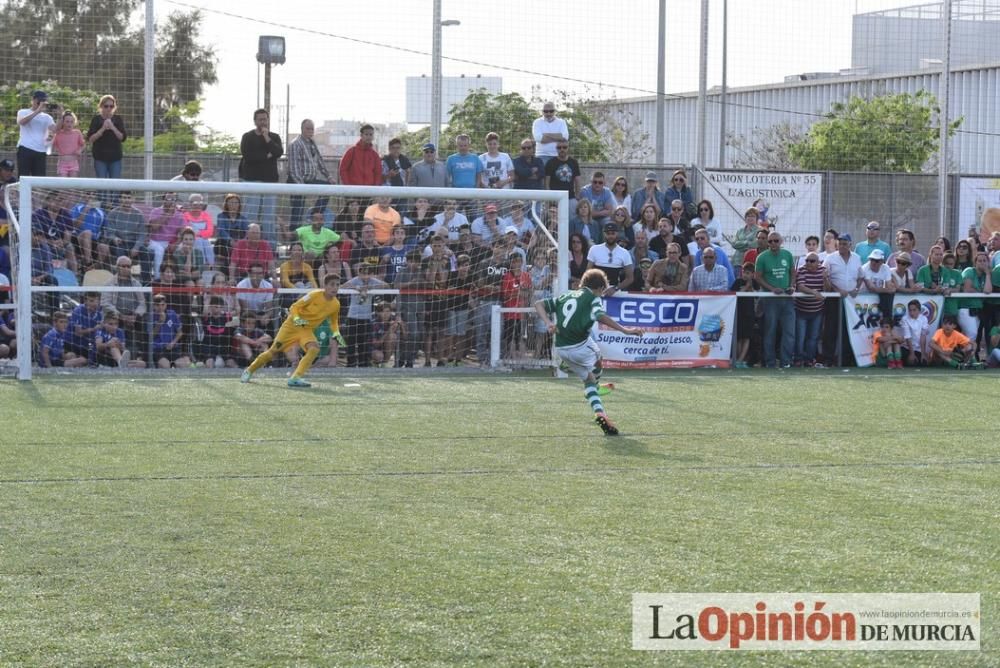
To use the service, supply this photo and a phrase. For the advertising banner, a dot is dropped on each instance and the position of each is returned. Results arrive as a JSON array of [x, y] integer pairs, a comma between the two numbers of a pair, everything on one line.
[[862, 315], [682, 331], [793, 202]]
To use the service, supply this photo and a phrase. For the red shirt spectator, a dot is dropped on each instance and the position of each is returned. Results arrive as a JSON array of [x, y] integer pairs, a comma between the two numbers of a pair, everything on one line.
[[361, 164], [248, 251]]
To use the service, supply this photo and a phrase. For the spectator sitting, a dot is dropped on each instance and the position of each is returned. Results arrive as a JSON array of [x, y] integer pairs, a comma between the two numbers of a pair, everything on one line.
[[449, 221], [669, 274], [315, 238], [333, 263], [165, 222], [915, 331], [585, 224], [679, 190], [255, 301], [393, 256], [88, 221], [296, 273], [52, 351], [109, 345], [216, 349], [387, 330], [702, 244], [601, 201], [488, 225], [198, 219], [383, 217], [885, 346], [188, 259], [709, 276], [949, 346], [191, 171], [84, 320], [167, 332], [249, 251], [54, 221], [994, 342], [130, 305], [249, 339], [231, 226], [125, 233], [902, 276], [8, 335]]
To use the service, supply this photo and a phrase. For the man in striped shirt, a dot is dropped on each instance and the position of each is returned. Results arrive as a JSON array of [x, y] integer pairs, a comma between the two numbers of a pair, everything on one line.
[[811, 279]]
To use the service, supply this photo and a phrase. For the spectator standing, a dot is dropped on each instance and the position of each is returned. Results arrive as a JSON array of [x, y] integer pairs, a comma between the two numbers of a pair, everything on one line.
[[361, 164], [843, 269], [976, 278], [306, 166], [864, 249], [562, 172], [489, 278], [906, 243], [811, 279], [429, 173], [395, 166], [529, 170], [775, 270], [902, 276], [34, 128], [548, 130], [745, 237], [937, 279], [106, 136], [497, 165], [464, 168], [261, 149], [68, 143], [877, 279], [411, 306]]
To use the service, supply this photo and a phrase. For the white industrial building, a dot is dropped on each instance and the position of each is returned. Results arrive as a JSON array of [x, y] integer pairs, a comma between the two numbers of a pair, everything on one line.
[[892, 53]]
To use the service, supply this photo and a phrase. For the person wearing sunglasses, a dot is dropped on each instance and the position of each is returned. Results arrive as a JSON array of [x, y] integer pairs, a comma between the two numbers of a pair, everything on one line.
[[105, 136], [812, 279], [679, 190], [775, 269], [548, 130]]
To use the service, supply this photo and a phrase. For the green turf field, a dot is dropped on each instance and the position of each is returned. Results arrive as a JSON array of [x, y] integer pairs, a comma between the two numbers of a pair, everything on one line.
[[477, 520]]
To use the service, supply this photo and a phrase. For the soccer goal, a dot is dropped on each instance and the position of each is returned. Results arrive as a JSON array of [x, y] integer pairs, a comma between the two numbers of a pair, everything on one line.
[[425, 273]]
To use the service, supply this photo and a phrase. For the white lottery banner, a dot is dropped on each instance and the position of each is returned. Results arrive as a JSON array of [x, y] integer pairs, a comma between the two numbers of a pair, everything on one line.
[[682, 331], [862, 315], [978, 205], [793, 202]]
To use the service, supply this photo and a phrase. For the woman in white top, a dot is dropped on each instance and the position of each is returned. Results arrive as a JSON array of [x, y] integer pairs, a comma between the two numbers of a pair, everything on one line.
[[706, 218]]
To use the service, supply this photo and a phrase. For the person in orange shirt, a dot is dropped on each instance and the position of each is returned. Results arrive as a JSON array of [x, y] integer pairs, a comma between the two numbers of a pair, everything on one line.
[[885, 346], [384, 218], [949, 346]]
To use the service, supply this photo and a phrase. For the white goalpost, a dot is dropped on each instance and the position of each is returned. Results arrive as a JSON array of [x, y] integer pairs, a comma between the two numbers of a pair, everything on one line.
[[24, 198]]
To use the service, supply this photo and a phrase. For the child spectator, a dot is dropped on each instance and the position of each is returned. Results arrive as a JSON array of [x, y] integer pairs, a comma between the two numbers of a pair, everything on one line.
[[52, 351], [949, 346], [359, 316], [109, 345], [8, 337], [461, 285], [387, 330], [914, 331], [68, 143], [515, 289], [217, 345], [993, 359], [200, 221], [885, 346], [411, 307], [249, 340], [84, 321], [167, 332]]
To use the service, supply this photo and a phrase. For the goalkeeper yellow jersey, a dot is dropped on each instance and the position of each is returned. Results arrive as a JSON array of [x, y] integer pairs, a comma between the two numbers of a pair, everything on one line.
[[315, 308]]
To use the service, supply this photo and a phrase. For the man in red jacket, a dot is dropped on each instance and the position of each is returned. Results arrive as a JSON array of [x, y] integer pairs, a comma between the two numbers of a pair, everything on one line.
[[361, 164]]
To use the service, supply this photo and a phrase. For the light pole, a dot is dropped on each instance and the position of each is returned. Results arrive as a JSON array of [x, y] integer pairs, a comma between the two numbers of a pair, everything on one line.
[[436, 72], [270, 51]]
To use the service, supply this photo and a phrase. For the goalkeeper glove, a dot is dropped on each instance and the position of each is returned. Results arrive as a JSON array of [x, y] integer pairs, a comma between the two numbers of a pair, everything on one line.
[[300, 321], [340, 339]]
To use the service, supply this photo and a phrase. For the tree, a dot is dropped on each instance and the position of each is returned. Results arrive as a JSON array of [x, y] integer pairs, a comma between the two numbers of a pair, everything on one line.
[[621, 132], [91, 45], [891, 133], [511, 117], [17, 96], [766, 148]]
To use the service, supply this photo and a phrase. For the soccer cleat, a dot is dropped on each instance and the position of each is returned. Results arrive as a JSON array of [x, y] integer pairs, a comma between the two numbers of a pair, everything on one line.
[[245, 377], [606, 425], [605, 389], [295, 381]]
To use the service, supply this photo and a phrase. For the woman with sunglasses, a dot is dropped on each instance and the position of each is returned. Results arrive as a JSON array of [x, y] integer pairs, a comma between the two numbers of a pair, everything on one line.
[[706, 218], [679, 190], [620, 194], [105, 136]]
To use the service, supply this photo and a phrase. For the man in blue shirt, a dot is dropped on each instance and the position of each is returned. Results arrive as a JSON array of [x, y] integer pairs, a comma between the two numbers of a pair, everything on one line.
[[602, 203], [865, 248], [464, 168]]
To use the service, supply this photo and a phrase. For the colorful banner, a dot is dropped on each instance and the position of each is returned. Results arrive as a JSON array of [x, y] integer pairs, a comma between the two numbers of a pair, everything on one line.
[[862, 315], [979, 206], [682, 331], [793, 202]]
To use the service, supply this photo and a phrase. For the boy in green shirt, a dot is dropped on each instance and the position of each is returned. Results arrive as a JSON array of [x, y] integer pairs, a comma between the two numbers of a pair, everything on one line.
[[575, 313]]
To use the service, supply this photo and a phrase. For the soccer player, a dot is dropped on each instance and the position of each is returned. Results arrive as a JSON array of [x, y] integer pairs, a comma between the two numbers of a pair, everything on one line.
[[304, 316], [575, 313]]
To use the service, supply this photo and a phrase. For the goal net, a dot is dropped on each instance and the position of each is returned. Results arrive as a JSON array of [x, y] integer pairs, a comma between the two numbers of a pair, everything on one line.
[[134, 274]]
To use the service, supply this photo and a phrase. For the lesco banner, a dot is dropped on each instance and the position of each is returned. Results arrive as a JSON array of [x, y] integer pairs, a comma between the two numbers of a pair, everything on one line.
[[863, 315], [682, 331]]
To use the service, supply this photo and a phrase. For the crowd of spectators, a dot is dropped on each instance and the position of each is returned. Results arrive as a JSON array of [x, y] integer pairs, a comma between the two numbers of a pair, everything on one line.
[[213, 275]]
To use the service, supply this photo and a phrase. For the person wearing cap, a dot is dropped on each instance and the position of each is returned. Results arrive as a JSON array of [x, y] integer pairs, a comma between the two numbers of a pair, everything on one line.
[[876, 277], [105, 136], [612, 259], [864, 249], [548, 130], [428, 173], [562, 172], [35, 128], [902, 274], [650, 194], [679, 189]]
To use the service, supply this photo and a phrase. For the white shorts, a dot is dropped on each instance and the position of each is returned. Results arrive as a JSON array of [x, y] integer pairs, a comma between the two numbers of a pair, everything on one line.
[[581, 358]]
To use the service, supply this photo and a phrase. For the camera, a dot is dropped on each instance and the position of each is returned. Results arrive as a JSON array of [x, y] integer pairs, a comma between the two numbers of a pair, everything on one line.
[[51, 107]]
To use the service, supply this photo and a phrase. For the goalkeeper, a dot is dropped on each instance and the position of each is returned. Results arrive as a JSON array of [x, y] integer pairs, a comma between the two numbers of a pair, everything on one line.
[[304, 316]]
